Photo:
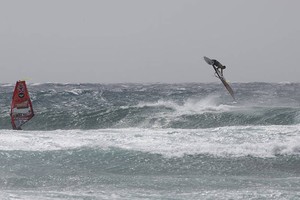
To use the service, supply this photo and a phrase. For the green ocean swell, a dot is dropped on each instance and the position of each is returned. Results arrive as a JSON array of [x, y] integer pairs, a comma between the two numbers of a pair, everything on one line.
[[95, 106]]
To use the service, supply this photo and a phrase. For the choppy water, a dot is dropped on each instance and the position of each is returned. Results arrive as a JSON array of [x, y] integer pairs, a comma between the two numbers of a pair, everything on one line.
[[153, 141]]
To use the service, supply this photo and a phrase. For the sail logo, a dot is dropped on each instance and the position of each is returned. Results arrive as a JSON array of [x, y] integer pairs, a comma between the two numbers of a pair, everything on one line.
[[21, 90]]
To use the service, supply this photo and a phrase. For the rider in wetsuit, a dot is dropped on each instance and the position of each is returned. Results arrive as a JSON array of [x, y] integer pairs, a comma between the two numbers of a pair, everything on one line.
[[218, 65]]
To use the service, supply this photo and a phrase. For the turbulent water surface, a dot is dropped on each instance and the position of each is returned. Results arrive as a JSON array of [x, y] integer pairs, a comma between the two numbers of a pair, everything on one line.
[[153, 141]]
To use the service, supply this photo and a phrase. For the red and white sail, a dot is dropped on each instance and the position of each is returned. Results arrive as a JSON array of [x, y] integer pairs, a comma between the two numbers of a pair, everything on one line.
[[21, 106]]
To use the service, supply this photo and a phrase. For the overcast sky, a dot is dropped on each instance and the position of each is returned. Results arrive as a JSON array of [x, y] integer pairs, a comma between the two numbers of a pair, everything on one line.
[[113, 41]]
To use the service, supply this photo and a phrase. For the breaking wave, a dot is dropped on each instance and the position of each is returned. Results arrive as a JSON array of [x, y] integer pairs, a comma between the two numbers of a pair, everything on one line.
[[186, 106]]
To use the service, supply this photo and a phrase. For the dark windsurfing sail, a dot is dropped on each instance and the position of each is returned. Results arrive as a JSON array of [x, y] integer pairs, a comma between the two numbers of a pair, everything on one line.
[[21, 107], [220, 76]]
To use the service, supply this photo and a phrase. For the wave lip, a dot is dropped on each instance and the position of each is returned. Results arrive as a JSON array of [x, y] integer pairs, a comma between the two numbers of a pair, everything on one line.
[[191, 106]]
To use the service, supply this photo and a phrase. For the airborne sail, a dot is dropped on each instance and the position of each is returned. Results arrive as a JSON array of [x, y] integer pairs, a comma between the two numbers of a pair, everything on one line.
[[21, 107], [220, 76]]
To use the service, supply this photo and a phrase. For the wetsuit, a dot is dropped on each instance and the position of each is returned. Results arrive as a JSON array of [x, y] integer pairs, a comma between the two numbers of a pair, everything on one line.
[[218, 65]]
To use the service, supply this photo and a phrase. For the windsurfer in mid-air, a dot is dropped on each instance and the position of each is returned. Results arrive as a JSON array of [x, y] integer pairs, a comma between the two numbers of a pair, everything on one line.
[[218, 65]]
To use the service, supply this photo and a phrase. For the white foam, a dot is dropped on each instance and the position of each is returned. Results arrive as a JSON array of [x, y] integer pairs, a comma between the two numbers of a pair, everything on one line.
[[75, 91], [260, 141], [192, 106], [35, 84], [209, 104], [7, 85]]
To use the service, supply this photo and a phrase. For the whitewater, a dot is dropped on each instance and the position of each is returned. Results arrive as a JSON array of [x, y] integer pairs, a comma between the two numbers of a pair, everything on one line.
[[153, 141]]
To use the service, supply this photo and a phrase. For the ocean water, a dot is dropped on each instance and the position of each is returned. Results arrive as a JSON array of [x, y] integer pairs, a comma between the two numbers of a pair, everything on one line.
[[153, 141]]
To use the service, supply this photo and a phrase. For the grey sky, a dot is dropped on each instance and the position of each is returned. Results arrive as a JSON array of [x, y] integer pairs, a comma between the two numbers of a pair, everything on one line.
[[116, 41]]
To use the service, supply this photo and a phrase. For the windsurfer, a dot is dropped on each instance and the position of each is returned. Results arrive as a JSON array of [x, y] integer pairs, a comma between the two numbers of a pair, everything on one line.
[[21, 110], [218, 65]]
